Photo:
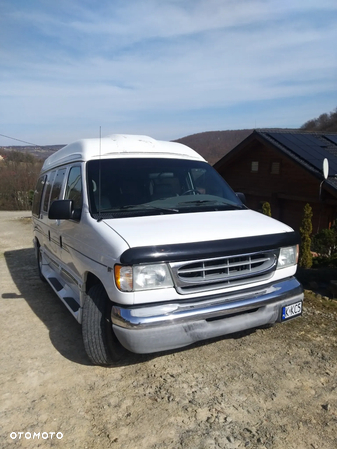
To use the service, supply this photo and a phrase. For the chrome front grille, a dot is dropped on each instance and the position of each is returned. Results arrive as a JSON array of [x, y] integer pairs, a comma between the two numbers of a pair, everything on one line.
[[207, 274]]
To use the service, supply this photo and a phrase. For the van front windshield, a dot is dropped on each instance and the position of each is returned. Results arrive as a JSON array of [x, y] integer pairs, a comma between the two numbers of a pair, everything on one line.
[[149, 186]]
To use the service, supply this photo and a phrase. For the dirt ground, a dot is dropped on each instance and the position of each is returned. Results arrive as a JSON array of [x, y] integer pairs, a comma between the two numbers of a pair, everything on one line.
[[269, 388]]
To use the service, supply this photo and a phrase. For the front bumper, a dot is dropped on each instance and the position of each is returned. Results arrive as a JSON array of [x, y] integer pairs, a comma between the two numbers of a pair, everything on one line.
[[152, 328]]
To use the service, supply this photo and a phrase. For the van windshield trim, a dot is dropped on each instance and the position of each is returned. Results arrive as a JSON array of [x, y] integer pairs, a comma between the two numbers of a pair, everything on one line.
[[126, 187]]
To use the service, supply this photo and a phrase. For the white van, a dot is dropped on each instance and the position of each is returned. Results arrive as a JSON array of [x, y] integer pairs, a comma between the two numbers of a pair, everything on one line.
[[150, 249]]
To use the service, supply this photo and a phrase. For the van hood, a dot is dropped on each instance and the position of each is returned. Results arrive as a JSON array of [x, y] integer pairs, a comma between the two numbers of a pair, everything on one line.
[[194, 227]]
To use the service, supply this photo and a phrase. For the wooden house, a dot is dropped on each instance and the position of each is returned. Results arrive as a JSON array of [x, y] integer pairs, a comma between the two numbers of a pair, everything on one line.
[[285, 168]]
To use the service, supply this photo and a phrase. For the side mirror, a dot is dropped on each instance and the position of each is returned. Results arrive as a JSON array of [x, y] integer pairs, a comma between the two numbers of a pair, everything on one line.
[[60, 210], [242, 197]]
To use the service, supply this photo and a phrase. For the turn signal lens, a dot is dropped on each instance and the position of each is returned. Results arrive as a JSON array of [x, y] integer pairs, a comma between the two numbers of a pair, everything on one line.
[[123, 277]]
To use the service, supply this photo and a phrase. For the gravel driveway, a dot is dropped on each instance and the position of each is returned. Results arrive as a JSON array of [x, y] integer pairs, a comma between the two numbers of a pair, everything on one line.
[[270, 388]]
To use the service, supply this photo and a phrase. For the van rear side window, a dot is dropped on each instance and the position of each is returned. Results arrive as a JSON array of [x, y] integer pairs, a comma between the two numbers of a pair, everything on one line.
[[57, 186], [74, 188], [38, 195], [47, 190]]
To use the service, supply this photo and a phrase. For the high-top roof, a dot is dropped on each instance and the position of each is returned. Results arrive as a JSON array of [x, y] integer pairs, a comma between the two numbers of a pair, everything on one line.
[[117, 146]]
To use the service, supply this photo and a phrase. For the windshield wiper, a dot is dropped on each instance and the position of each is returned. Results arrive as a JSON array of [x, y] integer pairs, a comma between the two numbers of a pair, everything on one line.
[[212, 202], [149, 207], [164, 209]]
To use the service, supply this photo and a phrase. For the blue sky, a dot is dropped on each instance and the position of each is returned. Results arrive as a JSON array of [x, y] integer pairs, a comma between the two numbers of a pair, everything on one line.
[[164, 68]]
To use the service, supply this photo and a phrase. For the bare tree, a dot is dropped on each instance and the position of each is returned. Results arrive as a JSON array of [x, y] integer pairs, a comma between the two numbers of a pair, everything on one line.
[[18, 175], [325, 122]]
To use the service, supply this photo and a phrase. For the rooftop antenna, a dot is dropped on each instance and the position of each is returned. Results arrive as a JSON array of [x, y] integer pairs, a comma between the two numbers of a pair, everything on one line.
[[99, 175], [325, 175]]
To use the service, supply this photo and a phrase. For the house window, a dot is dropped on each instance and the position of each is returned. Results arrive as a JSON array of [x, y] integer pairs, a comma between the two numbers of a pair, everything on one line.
[[255, 166], [275, 168]]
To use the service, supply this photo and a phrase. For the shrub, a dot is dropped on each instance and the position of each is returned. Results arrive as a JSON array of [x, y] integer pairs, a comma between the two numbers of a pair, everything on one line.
[[305, 231], [325, 242], [266, 210]]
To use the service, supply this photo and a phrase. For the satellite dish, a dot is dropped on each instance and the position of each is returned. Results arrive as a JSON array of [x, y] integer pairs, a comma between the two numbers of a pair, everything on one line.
[[325, 168]]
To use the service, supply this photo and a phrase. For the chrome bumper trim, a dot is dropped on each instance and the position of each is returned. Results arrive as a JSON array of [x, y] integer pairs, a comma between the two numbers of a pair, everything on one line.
[[169, 313]]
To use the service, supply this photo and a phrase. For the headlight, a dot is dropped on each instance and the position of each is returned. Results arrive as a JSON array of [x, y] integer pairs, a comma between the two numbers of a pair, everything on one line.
[[288, 256], [142, 277]]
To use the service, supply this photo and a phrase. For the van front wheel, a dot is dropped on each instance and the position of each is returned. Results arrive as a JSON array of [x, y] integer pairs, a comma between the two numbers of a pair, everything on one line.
[[100, 343]]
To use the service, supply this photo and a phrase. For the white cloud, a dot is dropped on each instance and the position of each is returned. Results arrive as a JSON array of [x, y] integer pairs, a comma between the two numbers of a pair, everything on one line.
[[143, 64]]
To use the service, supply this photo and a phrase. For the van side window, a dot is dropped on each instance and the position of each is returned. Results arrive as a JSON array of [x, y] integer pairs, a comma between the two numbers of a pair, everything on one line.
[[74, 188], [47, 190], [198, 177], [57, 186], [204, 183], [38, 195]]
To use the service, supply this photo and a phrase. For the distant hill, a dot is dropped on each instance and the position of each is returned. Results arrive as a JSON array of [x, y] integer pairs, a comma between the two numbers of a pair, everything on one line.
[[213, 145], [40, 152]]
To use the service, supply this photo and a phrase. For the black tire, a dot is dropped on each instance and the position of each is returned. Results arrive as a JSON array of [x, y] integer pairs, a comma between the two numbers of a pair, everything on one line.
[[39, 263], [100, 342]]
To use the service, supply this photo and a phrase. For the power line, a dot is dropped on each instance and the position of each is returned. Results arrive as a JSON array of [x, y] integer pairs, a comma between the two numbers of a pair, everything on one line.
[[18, 140]]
